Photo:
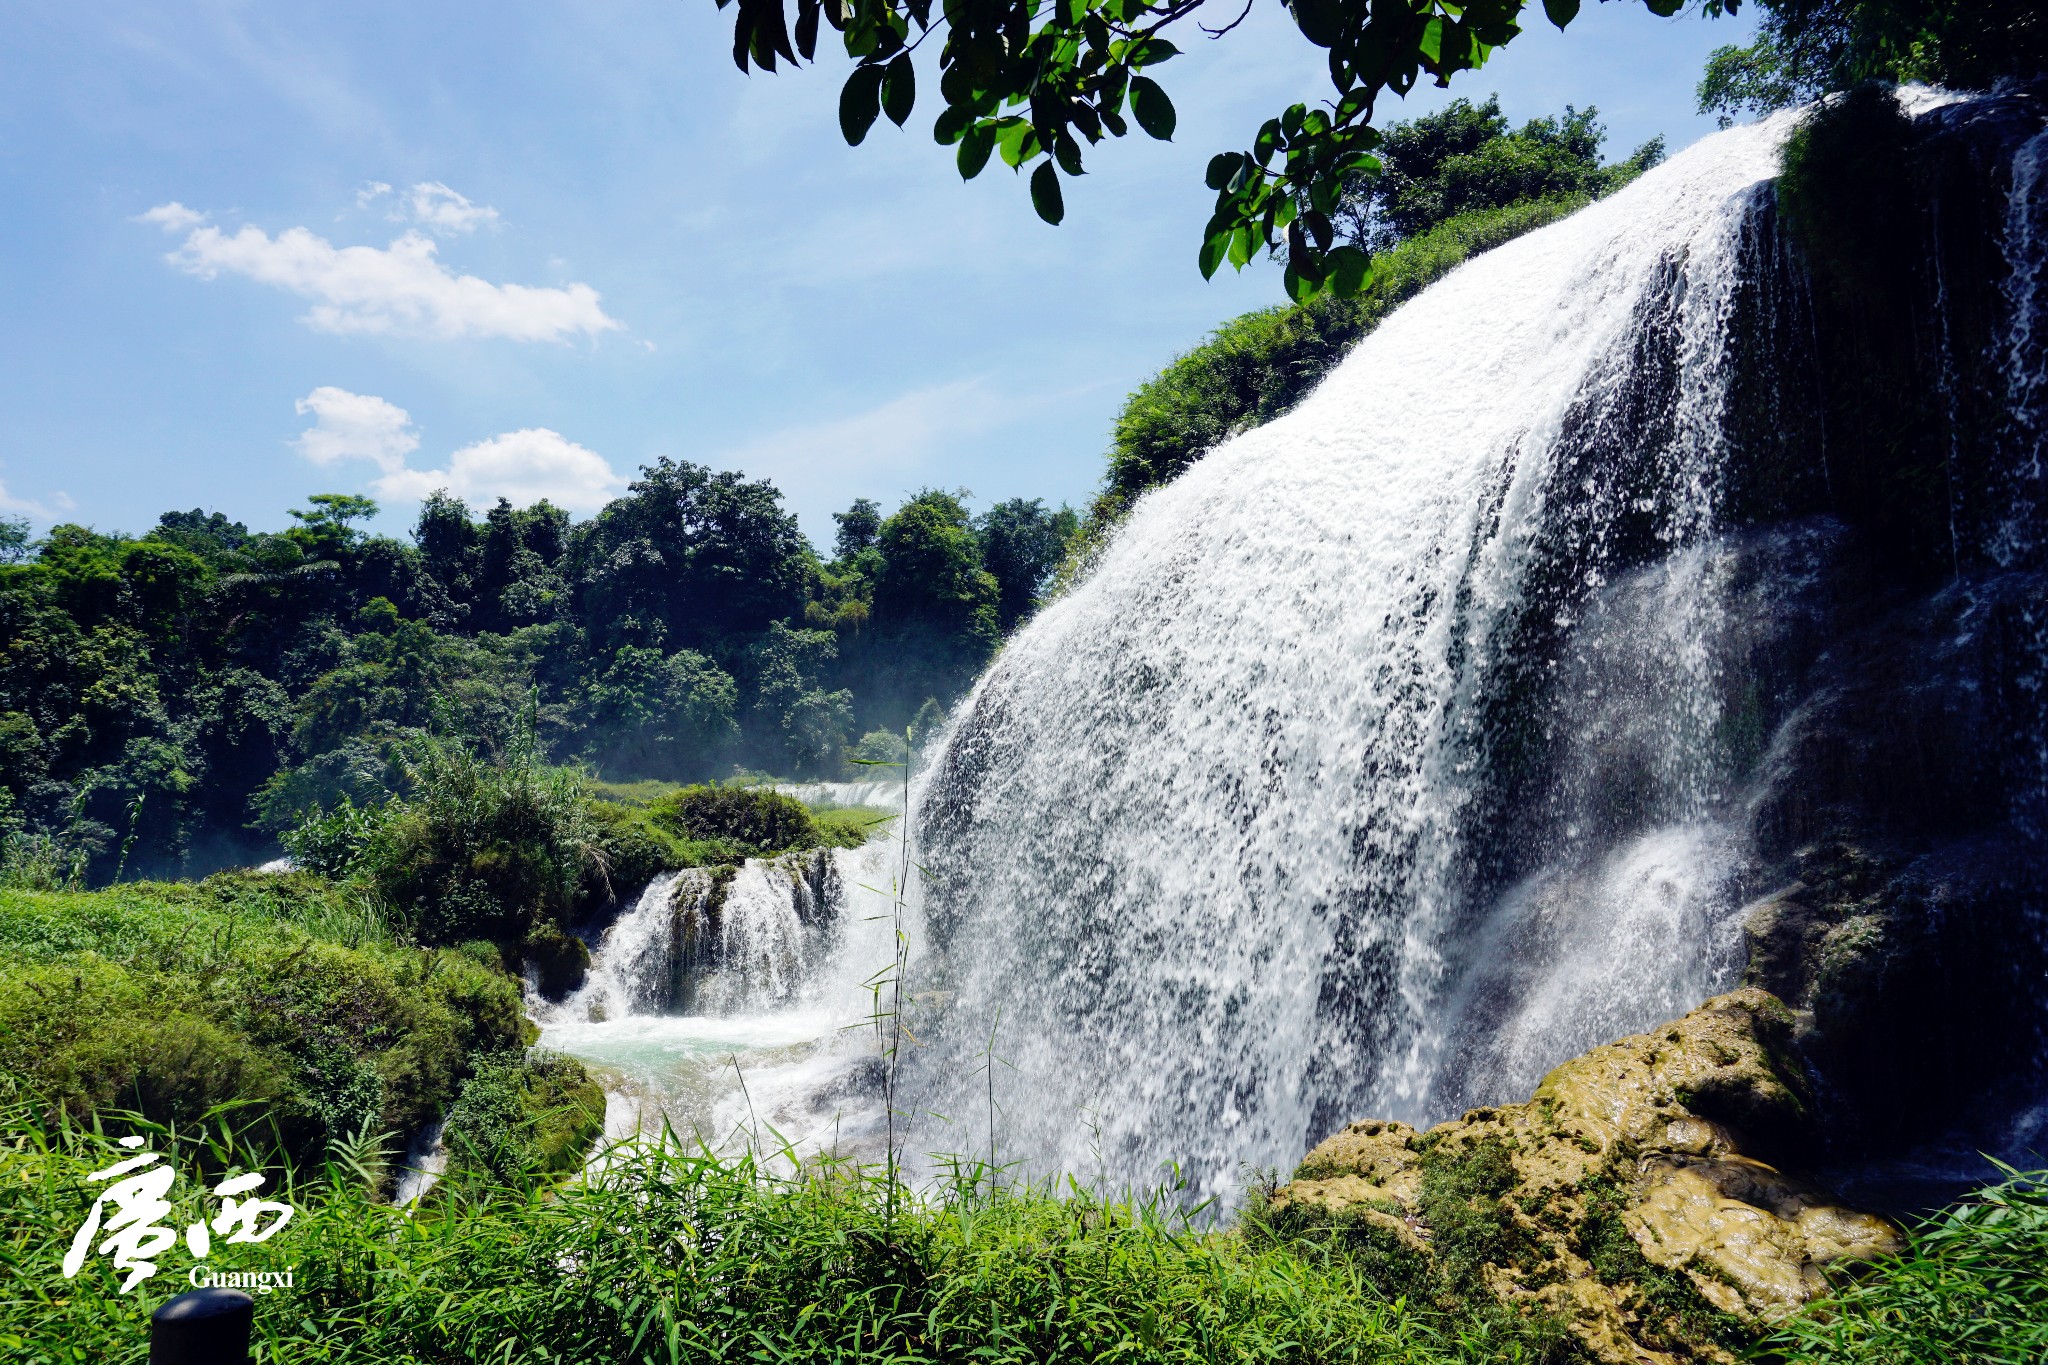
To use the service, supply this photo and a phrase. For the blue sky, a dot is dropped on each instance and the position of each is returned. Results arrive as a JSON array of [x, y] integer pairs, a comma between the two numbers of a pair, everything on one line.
[[598, 242]]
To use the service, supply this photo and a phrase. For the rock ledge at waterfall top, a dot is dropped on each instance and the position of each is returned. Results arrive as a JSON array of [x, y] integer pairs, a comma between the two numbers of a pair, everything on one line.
[[1632, 1201]]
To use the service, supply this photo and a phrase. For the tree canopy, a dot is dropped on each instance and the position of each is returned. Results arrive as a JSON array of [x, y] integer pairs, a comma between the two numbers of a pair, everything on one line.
[[1806, 47], [230, 682]]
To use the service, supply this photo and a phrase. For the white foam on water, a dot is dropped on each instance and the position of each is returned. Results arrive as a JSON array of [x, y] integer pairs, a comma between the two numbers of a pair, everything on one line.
[[743, 1024]]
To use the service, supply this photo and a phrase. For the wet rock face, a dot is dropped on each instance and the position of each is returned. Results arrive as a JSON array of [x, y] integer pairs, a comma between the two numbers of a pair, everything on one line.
[[1634, 1204], [1914, 985]]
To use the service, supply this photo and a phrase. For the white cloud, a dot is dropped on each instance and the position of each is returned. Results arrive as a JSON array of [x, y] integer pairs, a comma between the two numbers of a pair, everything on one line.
[[437, 206], [30, 507], [524, 466], [371, 191], [172, 217], [403, 288], [355, 426]]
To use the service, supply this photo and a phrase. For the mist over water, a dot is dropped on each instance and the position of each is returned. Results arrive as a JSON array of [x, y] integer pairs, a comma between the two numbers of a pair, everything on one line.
[[740, 1013]]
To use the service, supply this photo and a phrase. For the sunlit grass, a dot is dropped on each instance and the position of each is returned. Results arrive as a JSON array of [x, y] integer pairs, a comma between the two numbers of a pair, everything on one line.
[[668, 1253]]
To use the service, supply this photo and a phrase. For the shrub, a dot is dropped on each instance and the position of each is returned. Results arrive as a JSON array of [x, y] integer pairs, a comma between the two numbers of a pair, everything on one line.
[[747, 822], [475, 847], [637, 849], [522, 1114]]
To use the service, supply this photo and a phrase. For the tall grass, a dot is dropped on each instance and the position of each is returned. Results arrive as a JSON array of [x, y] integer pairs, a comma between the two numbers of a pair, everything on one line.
[[668, 1254], [1971, 1289], [664, 1253]]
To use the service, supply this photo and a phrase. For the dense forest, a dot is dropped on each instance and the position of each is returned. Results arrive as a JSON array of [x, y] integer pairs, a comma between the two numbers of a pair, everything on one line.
[[170, 701]]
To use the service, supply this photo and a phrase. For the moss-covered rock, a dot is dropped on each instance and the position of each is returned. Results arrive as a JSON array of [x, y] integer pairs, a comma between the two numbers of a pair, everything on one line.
[[559, 959], [1631, 1211], [523, 1114]]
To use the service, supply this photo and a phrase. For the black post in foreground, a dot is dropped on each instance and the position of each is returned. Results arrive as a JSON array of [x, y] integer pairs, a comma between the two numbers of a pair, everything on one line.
[[204, 1327]]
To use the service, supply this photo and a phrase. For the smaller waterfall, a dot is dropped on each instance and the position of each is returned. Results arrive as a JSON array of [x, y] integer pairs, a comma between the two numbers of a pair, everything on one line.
[[726, 1002], [631, 971], [712, 941], [1649, 928]]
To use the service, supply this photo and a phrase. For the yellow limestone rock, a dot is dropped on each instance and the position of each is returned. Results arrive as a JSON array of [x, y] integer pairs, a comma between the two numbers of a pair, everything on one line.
[[1642, 1161]]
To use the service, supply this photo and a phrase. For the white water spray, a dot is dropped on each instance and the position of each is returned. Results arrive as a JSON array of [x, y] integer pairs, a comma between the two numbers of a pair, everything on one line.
[[1208, 833]]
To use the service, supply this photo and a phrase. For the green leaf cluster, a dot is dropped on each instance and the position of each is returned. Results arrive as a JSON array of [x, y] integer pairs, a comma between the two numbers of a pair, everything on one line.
[[1039, 80]]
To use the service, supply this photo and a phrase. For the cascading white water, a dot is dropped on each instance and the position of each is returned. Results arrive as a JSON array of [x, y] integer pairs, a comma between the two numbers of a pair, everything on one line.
[[1209, 833], [876, 795], [1400, 750], [725, 1004], [2025, 366]]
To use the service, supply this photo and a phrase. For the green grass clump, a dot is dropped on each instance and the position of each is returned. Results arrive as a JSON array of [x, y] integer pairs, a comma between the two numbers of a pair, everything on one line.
[[276, 995], [741, 822], [1970, 1289], [640, 792], [667, 1254], [851, 826]]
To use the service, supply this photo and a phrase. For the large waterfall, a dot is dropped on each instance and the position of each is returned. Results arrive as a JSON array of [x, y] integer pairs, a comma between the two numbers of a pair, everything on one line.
[[1416, 741], [1450, 725]]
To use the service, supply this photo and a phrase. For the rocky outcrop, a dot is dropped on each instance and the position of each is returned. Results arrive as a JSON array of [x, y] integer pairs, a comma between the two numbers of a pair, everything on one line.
[[1633, 1210]]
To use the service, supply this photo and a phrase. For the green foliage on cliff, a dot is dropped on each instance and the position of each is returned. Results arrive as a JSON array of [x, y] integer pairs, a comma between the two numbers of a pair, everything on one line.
[[473, 846], [743, 822], [1453, 184], [1465, 158], [1256, 367]]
